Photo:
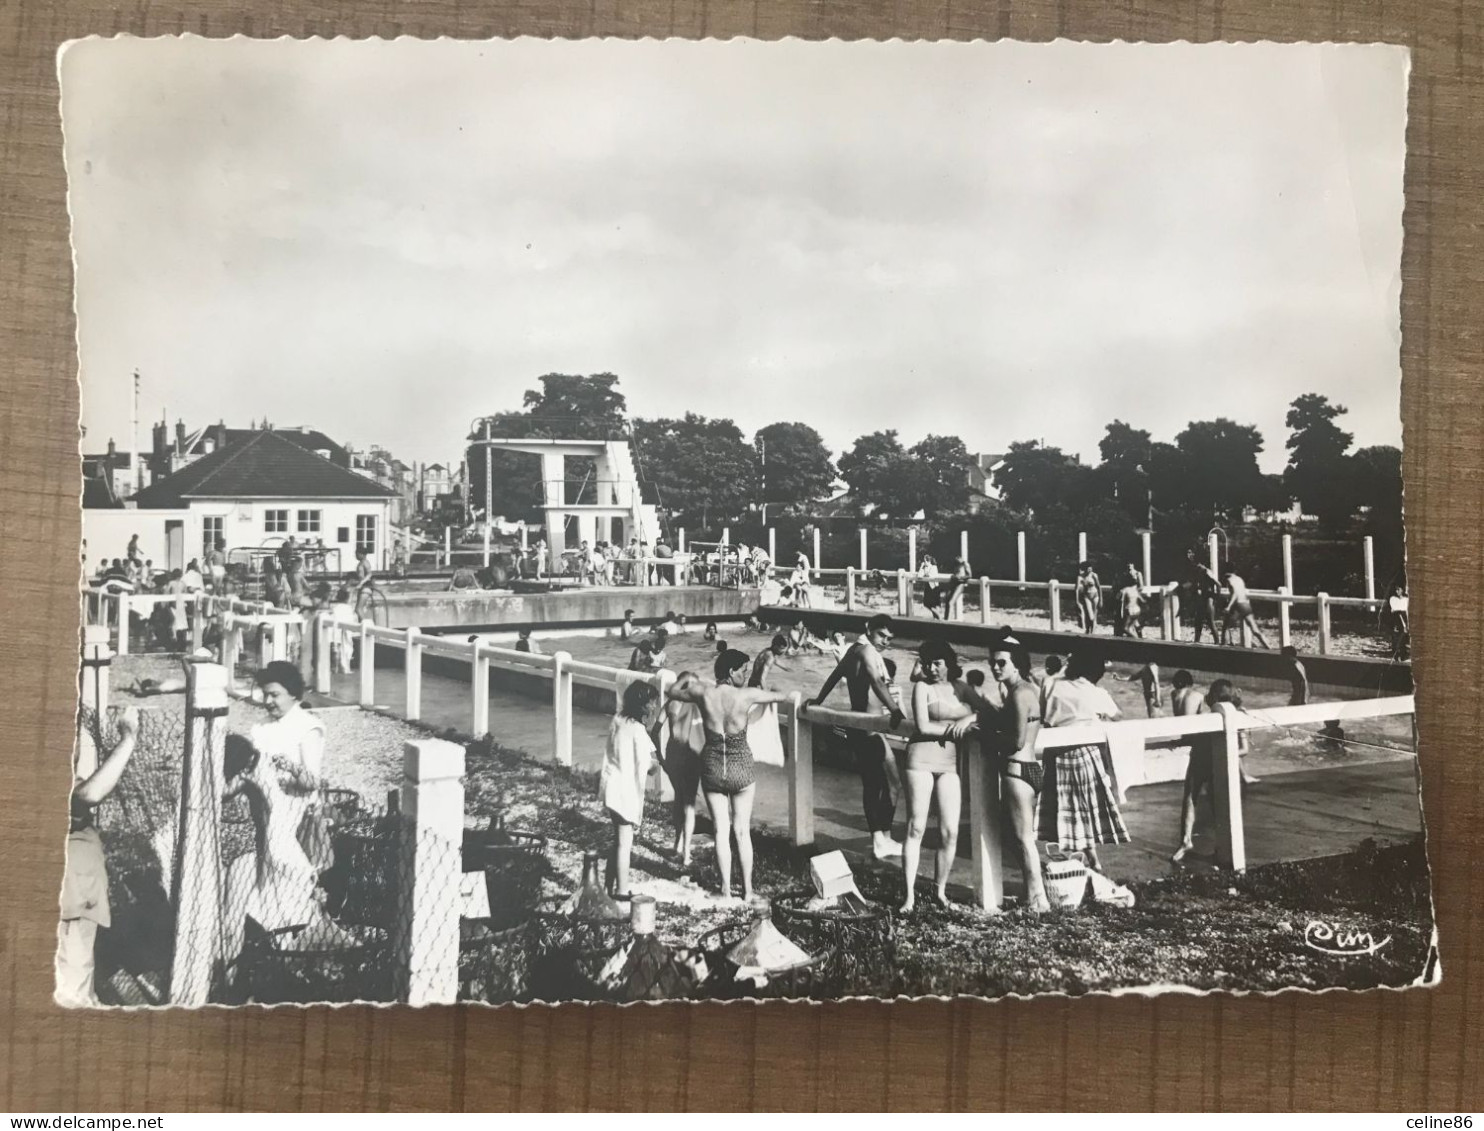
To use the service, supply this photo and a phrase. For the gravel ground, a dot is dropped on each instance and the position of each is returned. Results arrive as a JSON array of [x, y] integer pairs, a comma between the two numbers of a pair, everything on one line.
[[1197, 929]]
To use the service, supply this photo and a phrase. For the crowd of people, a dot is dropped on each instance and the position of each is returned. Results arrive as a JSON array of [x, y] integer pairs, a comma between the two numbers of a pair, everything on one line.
[[1065, 797]]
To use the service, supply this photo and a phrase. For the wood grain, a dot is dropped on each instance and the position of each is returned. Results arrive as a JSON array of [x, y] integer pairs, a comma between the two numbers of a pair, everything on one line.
[[1417, 1050]]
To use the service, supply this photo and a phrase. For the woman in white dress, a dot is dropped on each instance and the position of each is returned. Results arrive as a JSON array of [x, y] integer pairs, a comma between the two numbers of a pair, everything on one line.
[[293, 744]]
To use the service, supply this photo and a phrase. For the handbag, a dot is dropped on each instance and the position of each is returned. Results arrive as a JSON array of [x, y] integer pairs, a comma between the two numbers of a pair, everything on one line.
[[314, 838]]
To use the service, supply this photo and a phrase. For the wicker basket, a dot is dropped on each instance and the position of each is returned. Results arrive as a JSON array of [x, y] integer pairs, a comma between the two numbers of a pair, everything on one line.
[[567, 953], [1066, 877], [494, 963], [514, 864], [858, 948], [797, 981]]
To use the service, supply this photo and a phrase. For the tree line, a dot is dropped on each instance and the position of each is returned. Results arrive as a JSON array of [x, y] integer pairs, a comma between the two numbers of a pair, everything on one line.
[[704, 471]]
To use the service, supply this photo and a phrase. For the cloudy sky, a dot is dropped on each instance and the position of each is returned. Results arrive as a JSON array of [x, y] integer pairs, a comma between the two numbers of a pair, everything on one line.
[[999, 241]]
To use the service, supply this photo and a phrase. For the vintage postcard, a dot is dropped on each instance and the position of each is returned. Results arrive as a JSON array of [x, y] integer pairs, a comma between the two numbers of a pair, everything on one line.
[[618, 521]]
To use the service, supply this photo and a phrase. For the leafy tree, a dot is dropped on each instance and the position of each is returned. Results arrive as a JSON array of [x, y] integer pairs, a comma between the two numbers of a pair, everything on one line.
[[876, 467], [1220, 476], [696, 466], [577, 408], [1318, 474], [796, 465], [1034, 477], [1126, 468], [939, 475]]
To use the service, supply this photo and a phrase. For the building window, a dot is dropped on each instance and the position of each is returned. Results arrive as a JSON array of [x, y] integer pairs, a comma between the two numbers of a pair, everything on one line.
[[365, 534], [342, 534], [212, 529], [276, 522], [309, 522]]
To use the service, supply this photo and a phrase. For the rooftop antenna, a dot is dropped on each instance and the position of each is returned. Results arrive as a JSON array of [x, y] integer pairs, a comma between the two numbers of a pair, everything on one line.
[[134, 435]]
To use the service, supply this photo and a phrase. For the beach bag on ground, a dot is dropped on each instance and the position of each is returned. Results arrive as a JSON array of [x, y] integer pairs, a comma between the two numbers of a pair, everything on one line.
[[1105, 890], [1066, 877]]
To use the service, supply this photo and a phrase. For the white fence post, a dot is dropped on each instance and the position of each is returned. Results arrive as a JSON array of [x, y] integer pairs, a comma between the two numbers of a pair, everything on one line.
[[1053, 593], [231, 648], [561, 708], [1148, 548], [523, 546], [1231, 839], [479, 673], [984, 831], [195, 880], [849, 588], [413, 665], [911, 549], [425, 935], [800, 734], [125, 622], [1285, 626], [818, 565], [1369, 547], [1020, 555], [772, 544], [984, 600], [726, 535], [320, 633], [198, 621], [448, 545], [963, 545], [368, 665], [680, 540], [1213, 551], [1288, 562], [1081, 547], [864, 566], [1169, 628], [904, 594], [96, 658], [1322, 600]]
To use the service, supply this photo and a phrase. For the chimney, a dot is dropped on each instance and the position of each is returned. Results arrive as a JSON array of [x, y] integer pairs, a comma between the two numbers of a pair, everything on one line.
[[111, 451], [180, 437]]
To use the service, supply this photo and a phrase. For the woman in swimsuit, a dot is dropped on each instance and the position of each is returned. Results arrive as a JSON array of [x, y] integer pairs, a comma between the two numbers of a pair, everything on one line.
[[1089, 598], [727, 776], [682, 762], [940, 718], [1013, 743]]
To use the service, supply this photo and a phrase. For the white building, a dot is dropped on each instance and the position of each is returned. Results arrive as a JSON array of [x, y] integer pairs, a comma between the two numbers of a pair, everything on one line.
[[252, 493]]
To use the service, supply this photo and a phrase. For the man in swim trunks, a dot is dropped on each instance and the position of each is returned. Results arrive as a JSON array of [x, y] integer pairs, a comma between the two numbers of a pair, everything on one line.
[[864, 670], [727, 775], [1298, 678], [1206, 590], [1239, 607]]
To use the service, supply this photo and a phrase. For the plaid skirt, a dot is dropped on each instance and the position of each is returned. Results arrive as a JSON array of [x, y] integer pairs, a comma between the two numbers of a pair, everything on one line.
[[1078, 806]]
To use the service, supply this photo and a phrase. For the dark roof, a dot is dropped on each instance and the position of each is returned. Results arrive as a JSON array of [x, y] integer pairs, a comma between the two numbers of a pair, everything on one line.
[[97, 492], [263, 465], [306, 438]]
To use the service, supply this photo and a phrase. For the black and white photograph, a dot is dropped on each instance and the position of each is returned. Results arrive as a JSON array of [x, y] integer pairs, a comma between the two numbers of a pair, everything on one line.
[[614, 521]]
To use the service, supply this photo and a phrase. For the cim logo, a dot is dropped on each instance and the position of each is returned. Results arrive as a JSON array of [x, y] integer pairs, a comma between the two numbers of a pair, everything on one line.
[[1324, 938]]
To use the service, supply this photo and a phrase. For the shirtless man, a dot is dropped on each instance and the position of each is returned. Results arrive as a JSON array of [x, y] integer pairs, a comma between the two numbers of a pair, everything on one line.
[[727, 775], [1206, 589], [1239, 607], [765, 661], [1130, 611], [365, 582], [1186, 700], [864, 670]]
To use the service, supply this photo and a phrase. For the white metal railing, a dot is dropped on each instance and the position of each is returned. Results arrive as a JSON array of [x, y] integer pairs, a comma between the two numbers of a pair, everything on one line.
[[1125, 741]]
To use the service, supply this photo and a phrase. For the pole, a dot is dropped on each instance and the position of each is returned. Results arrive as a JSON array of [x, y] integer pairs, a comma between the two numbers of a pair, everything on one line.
[[425, 932], [1020, 554], [1288, 562], [864, 566], [1370, 567], [911, 549], [773, 545], [963, 545], [817, 562], [487, 540], [1081, 548], [489, 484], [1213, 551], [1144, 541], [195, 883]]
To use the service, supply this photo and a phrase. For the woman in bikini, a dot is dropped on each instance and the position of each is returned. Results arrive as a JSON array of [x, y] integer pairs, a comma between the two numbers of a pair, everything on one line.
[[1013, 742], [727, 775], [1089, 598], [940, 718]]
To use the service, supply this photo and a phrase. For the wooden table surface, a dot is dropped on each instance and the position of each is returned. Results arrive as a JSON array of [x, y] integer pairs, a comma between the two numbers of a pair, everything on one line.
[[1418, 1051]]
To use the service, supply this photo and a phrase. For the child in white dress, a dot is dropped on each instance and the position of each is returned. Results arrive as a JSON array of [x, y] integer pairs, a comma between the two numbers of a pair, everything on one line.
[[627, 764]]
